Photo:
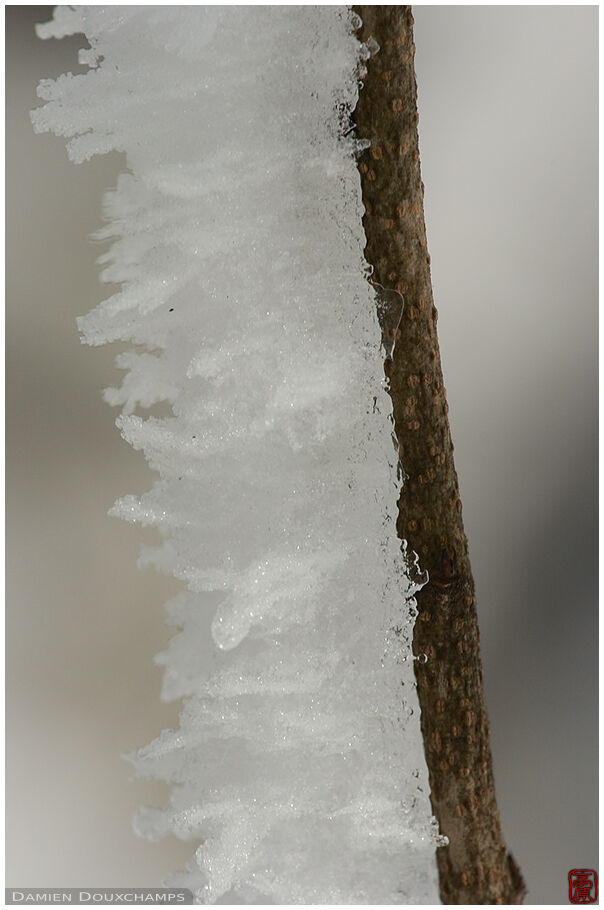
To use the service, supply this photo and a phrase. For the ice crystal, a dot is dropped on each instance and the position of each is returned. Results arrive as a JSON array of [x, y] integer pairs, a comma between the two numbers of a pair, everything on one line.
[[237, 240]]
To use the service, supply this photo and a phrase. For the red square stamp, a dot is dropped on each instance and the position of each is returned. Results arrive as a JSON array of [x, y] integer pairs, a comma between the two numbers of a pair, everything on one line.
[[583, 886]]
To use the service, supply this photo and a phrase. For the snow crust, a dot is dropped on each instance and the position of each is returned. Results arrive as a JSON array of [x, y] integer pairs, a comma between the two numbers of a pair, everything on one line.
[[236, 236]]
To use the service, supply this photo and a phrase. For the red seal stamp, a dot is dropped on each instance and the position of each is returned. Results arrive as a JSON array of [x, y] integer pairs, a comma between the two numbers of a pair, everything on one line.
[[583, 886]]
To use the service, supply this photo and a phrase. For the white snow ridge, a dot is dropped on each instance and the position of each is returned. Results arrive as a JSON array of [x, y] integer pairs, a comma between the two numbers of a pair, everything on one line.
[[298, 768]]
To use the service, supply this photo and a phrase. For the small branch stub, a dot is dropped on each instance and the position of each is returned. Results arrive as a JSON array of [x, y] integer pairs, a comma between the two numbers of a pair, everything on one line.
[[475, 867]]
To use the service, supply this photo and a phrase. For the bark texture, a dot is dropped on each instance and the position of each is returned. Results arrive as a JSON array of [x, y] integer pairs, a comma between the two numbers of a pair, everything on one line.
[[475, 867]]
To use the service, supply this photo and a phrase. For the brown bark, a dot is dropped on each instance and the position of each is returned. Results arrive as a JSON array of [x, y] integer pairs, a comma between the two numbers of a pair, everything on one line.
[[475, 867]]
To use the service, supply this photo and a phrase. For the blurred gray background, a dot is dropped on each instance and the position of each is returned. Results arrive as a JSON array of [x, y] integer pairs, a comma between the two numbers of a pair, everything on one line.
[[508, 120]]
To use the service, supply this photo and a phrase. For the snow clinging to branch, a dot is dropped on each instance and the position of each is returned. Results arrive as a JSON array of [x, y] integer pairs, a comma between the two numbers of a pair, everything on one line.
[[236, 238]]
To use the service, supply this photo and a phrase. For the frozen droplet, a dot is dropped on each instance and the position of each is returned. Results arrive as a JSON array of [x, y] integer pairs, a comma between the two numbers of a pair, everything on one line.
[[418, 576], [390, 304], [356, 22], [230, 626], [421, 658], [372, 46], [361, 145]]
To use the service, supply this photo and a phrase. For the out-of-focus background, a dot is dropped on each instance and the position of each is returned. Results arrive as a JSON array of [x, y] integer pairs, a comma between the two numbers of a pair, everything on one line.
[[508, 118]]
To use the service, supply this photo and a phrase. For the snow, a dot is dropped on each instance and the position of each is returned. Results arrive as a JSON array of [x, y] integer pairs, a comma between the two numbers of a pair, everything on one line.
[[236, 237]]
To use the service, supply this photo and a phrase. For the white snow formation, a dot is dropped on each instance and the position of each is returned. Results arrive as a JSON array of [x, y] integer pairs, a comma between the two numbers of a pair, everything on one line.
[[236, 237]]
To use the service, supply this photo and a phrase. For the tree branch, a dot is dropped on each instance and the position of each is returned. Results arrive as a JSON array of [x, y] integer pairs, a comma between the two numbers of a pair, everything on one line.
[[475, 867]]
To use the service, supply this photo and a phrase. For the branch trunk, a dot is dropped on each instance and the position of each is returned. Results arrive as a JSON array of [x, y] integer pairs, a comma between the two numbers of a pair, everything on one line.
[[475, 867]]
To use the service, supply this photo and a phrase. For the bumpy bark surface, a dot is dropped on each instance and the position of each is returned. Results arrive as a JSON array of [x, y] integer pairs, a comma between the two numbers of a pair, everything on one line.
[[476, 867]]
